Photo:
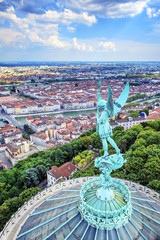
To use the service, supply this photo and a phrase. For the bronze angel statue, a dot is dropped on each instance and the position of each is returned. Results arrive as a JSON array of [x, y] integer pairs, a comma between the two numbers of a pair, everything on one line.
[[111, 108]]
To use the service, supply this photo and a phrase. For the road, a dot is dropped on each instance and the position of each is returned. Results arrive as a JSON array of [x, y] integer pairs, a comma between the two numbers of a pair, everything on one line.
[[5, 160], [11, 120]]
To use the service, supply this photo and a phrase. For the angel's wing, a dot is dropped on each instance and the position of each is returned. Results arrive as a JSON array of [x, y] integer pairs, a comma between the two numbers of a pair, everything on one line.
[[119, 103], [109, 104]]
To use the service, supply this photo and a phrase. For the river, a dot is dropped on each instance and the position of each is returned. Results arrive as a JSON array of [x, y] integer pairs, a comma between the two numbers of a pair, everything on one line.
[[76, 113], [66, 114], [150, 100], [2, 123]]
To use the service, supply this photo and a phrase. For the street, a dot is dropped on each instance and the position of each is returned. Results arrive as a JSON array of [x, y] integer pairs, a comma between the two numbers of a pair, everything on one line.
[[5, 160], [11, 119]]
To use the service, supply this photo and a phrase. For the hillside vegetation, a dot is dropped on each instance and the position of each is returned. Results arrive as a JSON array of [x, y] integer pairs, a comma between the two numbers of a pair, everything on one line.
[[140, 145]]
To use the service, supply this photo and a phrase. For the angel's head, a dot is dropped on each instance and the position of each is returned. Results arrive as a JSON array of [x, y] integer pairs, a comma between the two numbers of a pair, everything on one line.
[[102, 103]]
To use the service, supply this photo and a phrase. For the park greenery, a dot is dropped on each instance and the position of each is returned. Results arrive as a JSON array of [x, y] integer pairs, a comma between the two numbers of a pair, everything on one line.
[[131, 105], [83, 158], [139, 144], [137, 113], [137, 96], [141, 147], [11, 205], [28, 129]]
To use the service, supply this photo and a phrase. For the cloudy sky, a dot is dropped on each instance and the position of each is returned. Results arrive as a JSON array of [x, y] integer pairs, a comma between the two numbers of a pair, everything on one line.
[[80, 30]]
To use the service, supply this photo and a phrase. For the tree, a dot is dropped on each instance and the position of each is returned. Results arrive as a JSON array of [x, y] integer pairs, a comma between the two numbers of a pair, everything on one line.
[[153, 138], [152, 168], [134, 164], [59, 157], [3, 196], [31, 177], [28, 193], [119, 129], [154, 184], [10, 206], [42, 172], [144, 124], [138, 128], [154, 124], [77, 146], [83, 162], [144, 134], [77, 159], [14, 192], [122, 144], [67, 148], [96, 141], [138, 143], [134, 114], [86, 141]]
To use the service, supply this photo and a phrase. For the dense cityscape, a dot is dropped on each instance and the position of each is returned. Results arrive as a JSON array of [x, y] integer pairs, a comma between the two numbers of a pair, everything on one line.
[[54, 90], [48, 121], [79, 120]]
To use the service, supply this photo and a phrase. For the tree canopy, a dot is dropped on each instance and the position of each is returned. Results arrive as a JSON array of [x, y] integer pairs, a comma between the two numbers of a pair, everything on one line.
[[140, 145]]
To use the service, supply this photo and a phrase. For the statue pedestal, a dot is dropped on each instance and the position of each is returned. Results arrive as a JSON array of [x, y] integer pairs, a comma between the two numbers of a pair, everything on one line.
[[105, 194], [105, 208], [106, 202]]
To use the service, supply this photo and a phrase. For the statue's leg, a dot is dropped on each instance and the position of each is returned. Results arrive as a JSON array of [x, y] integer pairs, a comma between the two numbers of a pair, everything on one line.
[[105, 146], [112, 142]]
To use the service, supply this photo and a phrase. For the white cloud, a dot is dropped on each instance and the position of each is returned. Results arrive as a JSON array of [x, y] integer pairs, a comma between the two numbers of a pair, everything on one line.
[[90, 49], [78, 46], [84, 45], [93, 45], [65, 17], [33, 36], [108, 9], [129, 9], [21, 46], [54, 41], [151, 12], [9, 36], [10, 9], [71, 29], [107, 46], [43, 29]]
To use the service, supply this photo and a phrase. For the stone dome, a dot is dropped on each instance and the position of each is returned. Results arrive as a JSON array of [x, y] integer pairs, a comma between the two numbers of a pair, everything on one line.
[[54, 214]]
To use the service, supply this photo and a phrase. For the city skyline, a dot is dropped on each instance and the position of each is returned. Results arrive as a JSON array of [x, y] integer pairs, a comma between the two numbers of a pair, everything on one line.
[[91, 30]]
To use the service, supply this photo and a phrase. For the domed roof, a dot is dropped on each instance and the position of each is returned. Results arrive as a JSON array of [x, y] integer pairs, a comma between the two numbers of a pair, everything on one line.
[[58, 216], [157, 104], [143, 114]]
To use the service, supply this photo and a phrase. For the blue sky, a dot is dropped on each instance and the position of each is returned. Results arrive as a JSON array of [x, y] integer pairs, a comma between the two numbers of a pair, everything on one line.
[[80, 30]]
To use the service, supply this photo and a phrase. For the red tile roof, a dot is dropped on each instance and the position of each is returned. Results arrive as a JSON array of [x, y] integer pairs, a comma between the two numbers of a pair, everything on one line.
[[56, 172], [63, 171]]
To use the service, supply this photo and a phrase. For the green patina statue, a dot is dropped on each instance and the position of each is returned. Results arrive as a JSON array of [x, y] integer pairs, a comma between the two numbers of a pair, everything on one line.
[[110, 108], [108, 163], [105, 202]]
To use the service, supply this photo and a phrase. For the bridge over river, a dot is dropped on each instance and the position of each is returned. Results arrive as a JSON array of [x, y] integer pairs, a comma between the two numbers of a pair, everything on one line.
[[11, 120]]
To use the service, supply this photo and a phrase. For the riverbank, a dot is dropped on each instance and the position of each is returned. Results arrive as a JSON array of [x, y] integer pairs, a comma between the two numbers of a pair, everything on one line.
[[69, 113], [52, 112]]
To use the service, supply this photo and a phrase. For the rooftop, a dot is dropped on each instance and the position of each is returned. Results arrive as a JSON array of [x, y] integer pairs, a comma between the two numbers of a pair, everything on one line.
[[58, 218]]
